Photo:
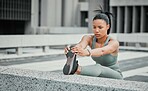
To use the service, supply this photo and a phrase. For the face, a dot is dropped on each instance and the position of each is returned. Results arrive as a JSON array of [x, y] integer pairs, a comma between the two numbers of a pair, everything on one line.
[[100, 28]]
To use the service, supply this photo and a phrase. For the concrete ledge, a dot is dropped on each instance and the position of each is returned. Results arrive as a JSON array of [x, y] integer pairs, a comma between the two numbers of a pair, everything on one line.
[[61, 30], [128, 2], [68, 30], [12, 79]]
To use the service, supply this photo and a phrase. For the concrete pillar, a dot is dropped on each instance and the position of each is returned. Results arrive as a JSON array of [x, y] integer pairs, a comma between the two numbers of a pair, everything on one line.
[[44, 12], [70, 12], [134, 20], [143, 20], [58, 12], [34, 13], [51, 13], [113, 10], [120, 22], [118, 19], [78, 18], [19, 51], [128, 19], [46, 49], [135, 23], [30, 27], [112, 27]]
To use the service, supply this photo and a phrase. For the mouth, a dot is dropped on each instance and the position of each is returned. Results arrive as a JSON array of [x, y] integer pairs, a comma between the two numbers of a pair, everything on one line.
[[97, 35]]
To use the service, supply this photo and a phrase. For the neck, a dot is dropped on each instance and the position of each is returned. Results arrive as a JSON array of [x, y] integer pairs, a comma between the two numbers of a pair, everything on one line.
[[102, 39]]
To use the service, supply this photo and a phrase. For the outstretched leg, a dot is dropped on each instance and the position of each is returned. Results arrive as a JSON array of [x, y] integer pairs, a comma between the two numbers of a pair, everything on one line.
[[98, 70]]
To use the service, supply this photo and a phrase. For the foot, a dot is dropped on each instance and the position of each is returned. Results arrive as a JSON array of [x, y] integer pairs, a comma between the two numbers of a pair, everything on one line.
[[71, 65]]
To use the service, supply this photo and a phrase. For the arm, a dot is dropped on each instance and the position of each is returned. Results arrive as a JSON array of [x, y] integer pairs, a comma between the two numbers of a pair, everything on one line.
[[112, 46], [84, 41], [80, 48]]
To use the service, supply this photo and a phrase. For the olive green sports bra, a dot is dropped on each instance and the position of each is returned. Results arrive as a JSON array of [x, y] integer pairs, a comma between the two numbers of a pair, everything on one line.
[[105, 60]]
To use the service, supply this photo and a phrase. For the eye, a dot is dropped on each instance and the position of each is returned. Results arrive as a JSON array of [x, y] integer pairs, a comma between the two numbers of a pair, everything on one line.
[[100, 27], [94, 27]]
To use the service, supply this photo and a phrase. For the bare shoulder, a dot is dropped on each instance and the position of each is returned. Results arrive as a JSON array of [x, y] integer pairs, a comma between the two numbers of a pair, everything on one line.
[[113, 41], [87, 37]]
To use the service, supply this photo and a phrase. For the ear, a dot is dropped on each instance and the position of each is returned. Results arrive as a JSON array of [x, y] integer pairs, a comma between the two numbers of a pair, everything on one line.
[[108, 26]]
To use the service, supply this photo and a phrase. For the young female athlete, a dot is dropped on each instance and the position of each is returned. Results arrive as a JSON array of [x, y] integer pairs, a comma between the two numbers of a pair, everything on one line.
[[104, 51]]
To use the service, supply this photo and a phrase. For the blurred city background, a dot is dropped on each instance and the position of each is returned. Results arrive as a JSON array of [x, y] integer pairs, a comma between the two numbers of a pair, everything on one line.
[[27, 25]]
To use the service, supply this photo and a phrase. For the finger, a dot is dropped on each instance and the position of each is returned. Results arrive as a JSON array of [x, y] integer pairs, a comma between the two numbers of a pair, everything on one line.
[[65, 51], [78, 48], [74, 51], [77, 53], [73, 48], [68, 47]]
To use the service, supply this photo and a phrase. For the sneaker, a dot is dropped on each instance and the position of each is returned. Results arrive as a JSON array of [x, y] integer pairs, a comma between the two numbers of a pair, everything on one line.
[[71, 65]]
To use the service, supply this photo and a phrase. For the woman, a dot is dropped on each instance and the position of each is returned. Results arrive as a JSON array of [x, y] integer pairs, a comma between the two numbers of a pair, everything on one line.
[[104, 51]]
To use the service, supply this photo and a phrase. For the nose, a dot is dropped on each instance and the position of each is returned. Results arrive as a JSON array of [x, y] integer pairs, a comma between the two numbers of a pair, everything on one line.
[[97, 30]]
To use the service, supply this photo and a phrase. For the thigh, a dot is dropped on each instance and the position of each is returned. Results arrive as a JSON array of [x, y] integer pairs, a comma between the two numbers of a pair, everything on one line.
[[90, 70], [110, 73], [98, 70]]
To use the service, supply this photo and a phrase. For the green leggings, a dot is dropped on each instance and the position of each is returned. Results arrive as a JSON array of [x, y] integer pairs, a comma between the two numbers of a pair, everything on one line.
[[98, 70]]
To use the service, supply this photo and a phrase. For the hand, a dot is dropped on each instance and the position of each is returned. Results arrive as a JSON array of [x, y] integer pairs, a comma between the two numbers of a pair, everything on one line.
[[80, 51], [66, 49]]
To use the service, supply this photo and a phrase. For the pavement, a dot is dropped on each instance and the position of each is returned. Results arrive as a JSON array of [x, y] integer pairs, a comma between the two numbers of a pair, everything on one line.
[[134, 64]]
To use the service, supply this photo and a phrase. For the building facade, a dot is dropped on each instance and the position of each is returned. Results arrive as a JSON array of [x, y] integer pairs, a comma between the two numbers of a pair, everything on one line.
[[38, 16], [15, 15], [130, 16], [30, 16]]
